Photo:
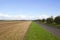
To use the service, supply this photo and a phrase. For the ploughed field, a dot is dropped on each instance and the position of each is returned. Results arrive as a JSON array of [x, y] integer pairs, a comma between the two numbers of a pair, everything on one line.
[[13, 30]]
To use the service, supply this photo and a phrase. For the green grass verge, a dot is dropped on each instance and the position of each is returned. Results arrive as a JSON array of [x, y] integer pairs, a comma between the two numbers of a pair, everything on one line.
[[54, 25], [36, 32]]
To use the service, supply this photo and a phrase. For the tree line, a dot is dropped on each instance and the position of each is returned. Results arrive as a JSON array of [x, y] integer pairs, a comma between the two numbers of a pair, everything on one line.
[[51, 20]]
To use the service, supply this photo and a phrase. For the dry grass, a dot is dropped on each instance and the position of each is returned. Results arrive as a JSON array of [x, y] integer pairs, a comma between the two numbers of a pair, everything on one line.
[[13, 30]]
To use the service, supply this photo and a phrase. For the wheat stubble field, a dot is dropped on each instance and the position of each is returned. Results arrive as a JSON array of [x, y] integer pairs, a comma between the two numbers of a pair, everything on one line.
[[13, 30]]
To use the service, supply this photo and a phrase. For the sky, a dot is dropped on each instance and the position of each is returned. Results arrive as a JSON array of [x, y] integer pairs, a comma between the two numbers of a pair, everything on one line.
[[28, 9]]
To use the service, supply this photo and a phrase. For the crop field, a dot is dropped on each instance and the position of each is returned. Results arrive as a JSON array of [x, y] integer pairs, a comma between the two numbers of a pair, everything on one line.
[[13, 30]]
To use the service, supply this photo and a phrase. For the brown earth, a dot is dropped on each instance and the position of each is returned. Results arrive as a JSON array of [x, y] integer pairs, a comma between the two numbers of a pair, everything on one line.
[[13, 30]]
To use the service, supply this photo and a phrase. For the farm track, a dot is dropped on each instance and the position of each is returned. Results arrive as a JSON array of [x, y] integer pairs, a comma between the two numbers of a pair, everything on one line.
[[13, 30], [55, 31]]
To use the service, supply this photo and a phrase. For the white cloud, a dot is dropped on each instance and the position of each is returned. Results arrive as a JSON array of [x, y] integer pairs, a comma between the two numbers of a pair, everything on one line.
[[44, 16], [10, 17], [20, 17], [5, 15]]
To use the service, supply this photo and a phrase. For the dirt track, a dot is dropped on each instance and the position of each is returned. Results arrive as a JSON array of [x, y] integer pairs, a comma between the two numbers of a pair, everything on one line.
[[13, 30]]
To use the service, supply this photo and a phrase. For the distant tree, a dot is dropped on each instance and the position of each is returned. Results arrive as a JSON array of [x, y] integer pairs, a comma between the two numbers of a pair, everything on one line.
[[49, 20], [57, 20], [43, 20], [38, 20]]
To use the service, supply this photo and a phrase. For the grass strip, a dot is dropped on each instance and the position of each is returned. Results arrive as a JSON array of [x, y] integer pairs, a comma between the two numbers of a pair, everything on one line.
[[36, 32], [54, 25]]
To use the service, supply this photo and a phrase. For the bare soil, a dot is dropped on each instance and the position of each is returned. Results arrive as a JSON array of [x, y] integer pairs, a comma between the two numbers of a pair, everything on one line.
[[13, 30]]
